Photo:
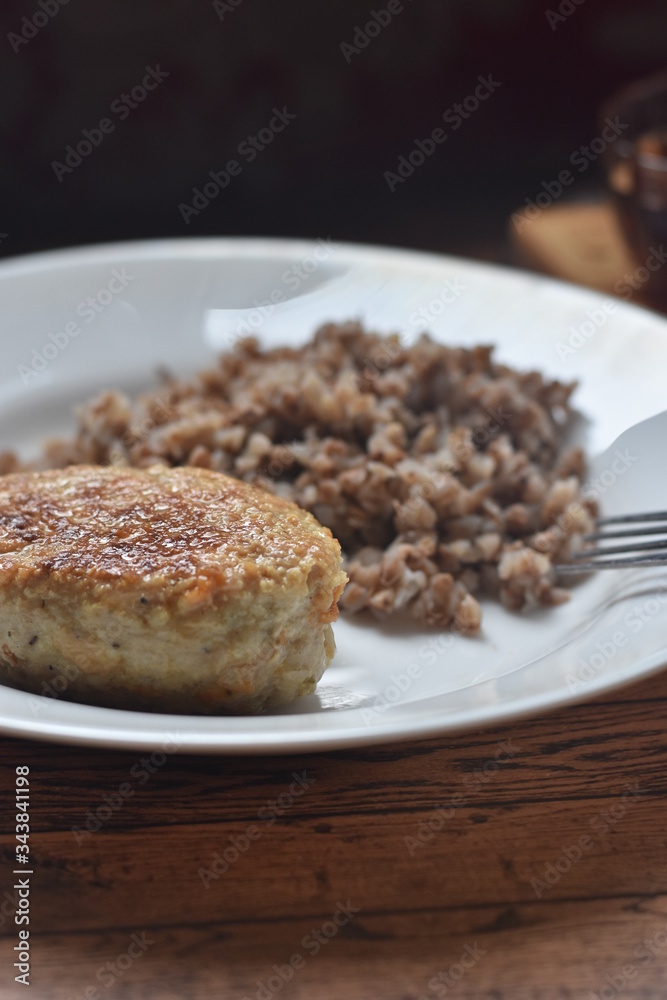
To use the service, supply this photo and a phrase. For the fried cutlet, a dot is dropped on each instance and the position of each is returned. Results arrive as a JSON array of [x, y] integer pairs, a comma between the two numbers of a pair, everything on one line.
[[178, 590]]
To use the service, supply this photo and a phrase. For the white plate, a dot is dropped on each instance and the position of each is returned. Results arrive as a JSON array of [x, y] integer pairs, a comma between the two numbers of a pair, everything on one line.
[[172, 303]]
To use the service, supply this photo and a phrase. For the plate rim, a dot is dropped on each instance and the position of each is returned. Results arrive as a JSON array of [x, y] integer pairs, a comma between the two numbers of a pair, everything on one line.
[[258, 245]]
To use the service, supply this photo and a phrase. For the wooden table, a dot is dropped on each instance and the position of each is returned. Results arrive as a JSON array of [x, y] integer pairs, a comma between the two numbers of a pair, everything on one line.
[[543, 875]]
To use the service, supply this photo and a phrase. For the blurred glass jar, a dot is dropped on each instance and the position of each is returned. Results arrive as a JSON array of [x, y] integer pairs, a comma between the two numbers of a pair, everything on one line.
[[637, 176]]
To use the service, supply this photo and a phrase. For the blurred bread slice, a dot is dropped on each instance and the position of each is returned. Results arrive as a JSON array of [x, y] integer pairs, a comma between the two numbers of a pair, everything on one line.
[[581, 243]]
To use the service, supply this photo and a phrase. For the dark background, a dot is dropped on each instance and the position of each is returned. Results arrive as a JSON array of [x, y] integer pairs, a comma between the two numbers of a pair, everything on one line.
[[324, 174]]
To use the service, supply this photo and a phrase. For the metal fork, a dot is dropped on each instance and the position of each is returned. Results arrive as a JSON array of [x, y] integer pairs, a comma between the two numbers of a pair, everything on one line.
[[633, 553]]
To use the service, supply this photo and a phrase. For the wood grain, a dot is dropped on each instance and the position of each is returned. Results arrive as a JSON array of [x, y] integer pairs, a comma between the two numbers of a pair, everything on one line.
[[596, 771]]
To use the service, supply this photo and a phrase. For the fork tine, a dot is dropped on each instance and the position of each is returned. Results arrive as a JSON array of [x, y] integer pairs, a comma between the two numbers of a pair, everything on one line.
[[632, 518], [613, 550], [595, 536], [587, 560], [588, 567]]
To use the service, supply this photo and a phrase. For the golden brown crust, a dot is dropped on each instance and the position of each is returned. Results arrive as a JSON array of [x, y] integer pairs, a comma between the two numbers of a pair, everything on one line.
[[184, 537]]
